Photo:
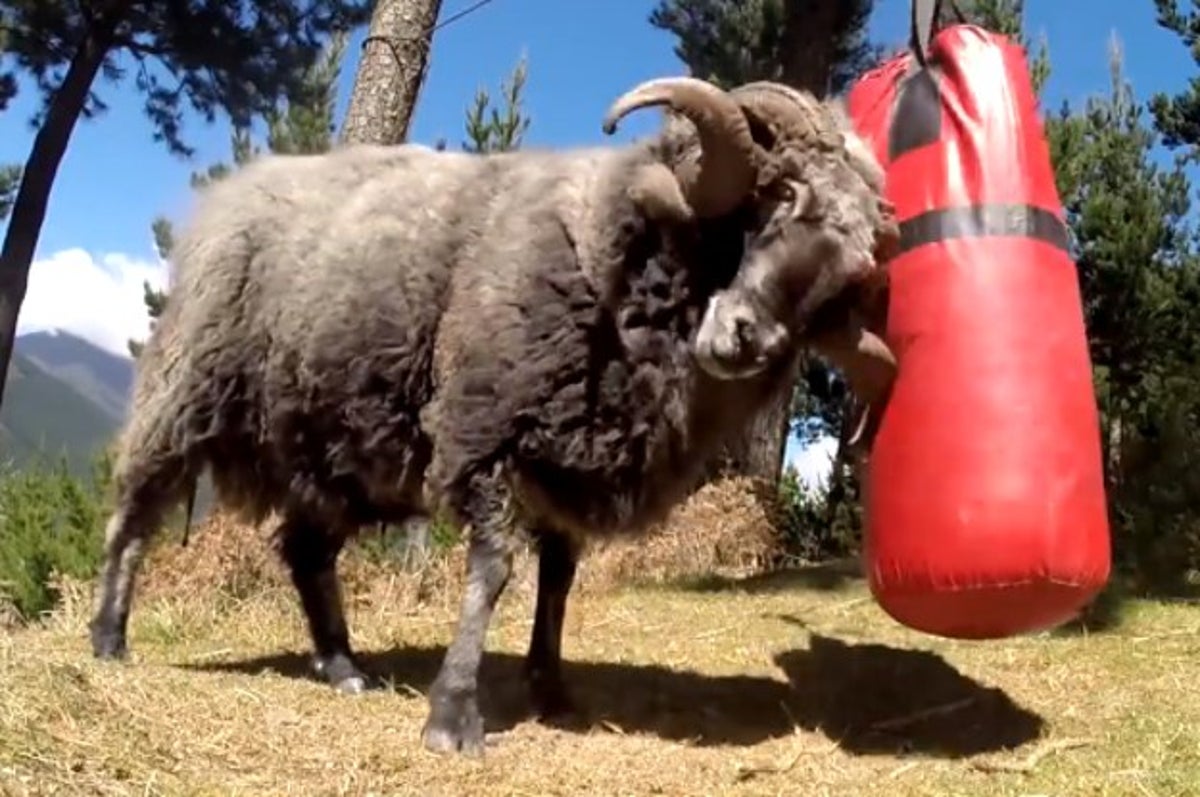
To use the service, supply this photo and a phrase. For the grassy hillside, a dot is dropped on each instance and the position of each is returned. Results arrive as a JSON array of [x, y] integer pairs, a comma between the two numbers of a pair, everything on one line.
[[795, 684], [44, 415], [99, 375], [67, 396]]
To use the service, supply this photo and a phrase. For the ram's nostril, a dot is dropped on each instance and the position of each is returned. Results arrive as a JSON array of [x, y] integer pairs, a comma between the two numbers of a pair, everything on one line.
[[744, 331]]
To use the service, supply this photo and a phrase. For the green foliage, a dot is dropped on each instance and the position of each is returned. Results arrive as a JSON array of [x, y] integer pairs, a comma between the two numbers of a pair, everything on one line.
[[396, 544], [10, 180], [822, 523], [802, 517], [501, 130], [307, 127], [10, 175], [1140, 279], [1177, 116], [8, 81], [51, 520], [731, 42], [240, 58]]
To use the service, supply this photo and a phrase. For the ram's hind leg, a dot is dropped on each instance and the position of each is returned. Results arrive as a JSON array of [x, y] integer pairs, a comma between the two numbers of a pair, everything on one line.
[[144, 493], [454, 723], [557, 559], [310, 552]]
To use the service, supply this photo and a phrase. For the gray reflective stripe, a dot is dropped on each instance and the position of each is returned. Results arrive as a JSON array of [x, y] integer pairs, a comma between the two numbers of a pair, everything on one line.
[[1023, 221]]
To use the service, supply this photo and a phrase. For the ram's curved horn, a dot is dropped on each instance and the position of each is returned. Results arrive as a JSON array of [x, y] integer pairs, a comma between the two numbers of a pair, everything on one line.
[[728, 165], [787, 112]]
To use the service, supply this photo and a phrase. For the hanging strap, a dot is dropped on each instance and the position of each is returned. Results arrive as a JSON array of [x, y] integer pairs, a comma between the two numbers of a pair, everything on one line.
[[923, 23]]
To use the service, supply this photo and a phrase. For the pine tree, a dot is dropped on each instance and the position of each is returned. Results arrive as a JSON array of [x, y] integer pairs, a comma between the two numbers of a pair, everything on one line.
[[300, 127], [821, 46], [504, 128], [1140, 279], [10, 175], [1177, 116], [241, 58], [10, 178]]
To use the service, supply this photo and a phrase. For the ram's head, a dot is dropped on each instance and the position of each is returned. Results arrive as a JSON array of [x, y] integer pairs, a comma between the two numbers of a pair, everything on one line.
[[819, 229]]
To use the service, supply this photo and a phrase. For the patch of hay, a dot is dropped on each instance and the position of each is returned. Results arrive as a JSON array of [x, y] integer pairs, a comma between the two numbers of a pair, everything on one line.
[[222, 554], [229, 560], [728, 527], [791, 690]]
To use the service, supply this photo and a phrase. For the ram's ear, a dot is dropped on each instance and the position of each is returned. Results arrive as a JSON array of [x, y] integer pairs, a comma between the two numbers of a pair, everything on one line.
[[869, 367], [657, 192], [871, 298], [860, 354]]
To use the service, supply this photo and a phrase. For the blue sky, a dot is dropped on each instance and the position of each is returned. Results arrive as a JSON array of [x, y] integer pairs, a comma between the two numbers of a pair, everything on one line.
[[96, 245]]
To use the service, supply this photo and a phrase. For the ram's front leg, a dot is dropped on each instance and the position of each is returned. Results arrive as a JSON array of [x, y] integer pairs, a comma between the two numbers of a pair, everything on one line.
[[454, 723]]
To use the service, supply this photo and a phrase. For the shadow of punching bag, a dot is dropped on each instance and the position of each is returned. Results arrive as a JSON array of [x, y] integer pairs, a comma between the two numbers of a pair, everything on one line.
[[986, 513]]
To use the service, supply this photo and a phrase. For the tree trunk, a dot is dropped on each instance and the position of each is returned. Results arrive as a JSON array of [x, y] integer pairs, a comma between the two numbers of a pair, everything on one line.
[[386, 87], [390, 72], [807, 49], [37, 181], [759, 453], [808, 36]]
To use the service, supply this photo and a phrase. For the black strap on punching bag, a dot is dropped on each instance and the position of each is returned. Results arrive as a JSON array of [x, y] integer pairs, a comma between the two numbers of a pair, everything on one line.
[[923, 23], [916, 123]]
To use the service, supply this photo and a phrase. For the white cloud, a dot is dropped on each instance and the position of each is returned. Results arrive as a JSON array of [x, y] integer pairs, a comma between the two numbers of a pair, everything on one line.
[[812, 462], [98, 300]]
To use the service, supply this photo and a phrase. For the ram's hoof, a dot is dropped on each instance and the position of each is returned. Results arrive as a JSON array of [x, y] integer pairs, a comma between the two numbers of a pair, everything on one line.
[[107, 642], [354, 685], [340, 672], [454, 726]]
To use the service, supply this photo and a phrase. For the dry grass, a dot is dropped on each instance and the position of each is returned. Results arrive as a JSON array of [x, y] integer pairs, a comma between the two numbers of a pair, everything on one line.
[[726, 528], [791, 684]]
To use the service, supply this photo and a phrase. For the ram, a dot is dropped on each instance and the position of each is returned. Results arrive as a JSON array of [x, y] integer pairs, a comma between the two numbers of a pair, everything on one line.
[[546, 345]]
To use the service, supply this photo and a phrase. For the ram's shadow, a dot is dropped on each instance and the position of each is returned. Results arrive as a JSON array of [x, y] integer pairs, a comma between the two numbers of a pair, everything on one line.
[[823, 577], [869, 698]]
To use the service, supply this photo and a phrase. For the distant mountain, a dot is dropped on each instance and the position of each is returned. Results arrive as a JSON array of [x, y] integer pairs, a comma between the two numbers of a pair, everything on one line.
[[65, 407], [66, 396], [99, 375]]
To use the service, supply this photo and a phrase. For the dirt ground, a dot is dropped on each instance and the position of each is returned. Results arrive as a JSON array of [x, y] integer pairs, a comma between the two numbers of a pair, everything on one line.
[[792, 684]]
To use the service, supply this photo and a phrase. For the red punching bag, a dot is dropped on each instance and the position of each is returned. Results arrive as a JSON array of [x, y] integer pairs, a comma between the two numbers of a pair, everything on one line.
[[985, 513]]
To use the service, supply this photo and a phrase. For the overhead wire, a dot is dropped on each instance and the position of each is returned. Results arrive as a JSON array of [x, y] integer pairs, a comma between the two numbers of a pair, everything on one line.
[[425, 35], [455, 17]]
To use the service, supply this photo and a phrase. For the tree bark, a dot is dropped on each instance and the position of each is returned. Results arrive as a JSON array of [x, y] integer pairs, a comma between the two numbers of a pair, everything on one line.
[[808, 36], [37, 181], [759, 453], [386, 87], [390, 72], [807, 49]]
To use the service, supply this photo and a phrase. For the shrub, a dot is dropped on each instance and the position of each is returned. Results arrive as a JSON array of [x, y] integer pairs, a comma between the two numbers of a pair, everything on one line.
[[409, 545], [51, 521], [822, 523]]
